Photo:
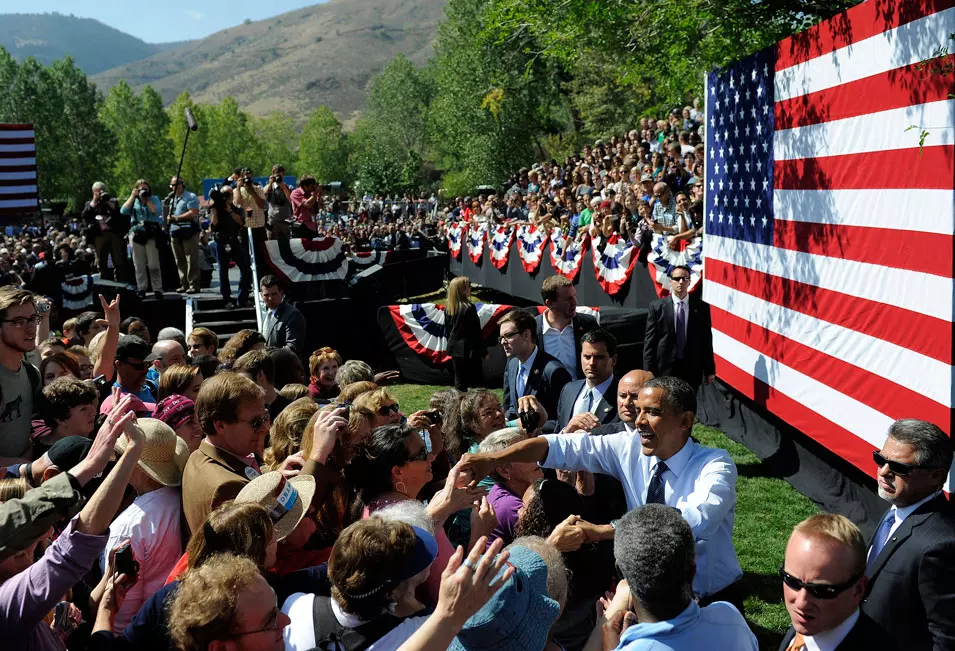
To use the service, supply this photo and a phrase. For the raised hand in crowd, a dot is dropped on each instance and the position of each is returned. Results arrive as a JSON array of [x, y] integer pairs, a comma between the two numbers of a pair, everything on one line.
[[483, 520], [459, 492], [584, 422], [95, 517], [107, 597], [419, 420], [386, 376], [532, 404], [102, 450], [466, 585], [104, 365]]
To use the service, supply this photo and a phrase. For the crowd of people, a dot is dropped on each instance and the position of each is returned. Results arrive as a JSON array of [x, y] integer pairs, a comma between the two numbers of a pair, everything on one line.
[[159, 491]]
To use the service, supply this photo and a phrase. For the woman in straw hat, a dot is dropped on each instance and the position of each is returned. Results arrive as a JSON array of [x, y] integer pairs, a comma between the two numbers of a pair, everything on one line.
[[151, 522]]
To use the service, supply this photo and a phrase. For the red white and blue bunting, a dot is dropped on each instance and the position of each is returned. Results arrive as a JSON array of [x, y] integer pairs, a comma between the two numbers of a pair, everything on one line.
[[422, 327], [614, 259], [476, 235], [77, 293], [365, 260], [455, 238], [307, 260], [662, 259], [499, 243], [567, 253], [530, 246]]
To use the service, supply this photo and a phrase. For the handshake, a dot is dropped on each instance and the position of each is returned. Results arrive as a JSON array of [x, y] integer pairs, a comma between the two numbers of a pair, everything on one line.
[[572, 533]]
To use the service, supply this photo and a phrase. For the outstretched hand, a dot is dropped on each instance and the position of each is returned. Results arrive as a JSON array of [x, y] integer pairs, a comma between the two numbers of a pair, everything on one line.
[[110, 311], [467, 585]]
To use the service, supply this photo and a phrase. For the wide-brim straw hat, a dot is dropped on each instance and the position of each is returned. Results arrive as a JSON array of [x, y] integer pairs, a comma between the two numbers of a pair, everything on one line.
[[164, 454], [286, 500]]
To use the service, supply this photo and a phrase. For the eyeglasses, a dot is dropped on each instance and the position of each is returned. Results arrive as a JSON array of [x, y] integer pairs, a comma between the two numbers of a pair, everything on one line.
[[387, 409], [139, 366], [509, 335], [259, 421], [421, 456], [679, 279], [897, 467], [817, 590], [23, 321], [272, 626]]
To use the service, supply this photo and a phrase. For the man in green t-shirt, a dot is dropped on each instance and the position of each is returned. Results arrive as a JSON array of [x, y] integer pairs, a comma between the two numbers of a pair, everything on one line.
[[587, 215]]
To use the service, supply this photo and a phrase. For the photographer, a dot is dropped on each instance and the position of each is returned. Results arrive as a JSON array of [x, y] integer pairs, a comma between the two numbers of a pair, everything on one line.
[[249, 197], [184, 231], [279, 199], [227, 221], [306, 200], [145, 213], [105, 230]]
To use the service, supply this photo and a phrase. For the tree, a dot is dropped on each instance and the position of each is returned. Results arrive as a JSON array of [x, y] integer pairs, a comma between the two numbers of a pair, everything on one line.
[[229, 129], [277, 141], [197, 164], [140, 126], [323, 148]]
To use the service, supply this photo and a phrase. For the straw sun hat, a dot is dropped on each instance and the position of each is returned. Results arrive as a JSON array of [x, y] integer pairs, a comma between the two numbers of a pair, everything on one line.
[[286, 500], [164, 454]]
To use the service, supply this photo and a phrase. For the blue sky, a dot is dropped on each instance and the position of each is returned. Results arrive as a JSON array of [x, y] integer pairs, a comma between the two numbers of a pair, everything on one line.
[[168, 20]]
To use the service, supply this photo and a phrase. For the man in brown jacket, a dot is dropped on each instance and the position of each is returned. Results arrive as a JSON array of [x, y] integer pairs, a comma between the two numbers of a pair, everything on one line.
[[231, 412]]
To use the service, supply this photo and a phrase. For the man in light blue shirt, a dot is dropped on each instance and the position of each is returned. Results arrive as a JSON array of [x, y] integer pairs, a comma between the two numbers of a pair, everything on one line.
[[655, 553], [184, 232], [656, 462]]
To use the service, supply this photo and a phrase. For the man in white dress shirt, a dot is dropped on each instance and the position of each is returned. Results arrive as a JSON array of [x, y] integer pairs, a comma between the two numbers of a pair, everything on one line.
[[656, 464]]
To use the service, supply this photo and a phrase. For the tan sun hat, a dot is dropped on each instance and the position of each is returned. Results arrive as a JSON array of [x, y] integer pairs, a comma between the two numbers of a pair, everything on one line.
[[164, 454], [286, 500]]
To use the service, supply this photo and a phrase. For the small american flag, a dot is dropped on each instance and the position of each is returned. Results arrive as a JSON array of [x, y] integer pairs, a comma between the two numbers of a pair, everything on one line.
[[18, 191], [829, 228]]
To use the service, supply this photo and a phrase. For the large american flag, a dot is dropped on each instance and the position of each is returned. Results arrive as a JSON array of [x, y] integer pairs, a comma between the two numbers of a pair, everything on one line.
[[18, 190], [829, 228]]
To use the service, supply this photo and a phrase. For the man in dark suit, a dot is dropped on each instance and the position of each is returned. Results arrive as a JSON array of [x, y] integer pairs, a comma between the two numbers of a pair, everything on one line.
[[593, 397], [559, 327], [678, 340], [911, 560], [284, 325], [529, 370], [823, 582]]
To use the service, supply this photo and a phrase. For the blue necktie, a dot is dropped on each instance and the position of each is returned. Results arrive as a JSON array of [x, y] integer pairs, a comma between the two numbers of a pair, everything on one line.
[[521, 381], [881, 536], [655, 489]]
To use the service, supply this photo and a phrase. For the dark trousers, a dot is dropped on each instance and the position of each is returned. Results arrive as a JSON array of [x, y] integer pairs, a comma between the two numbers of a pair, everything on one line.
[[468, 373], [111, 245], [733, 593], [230, 249]]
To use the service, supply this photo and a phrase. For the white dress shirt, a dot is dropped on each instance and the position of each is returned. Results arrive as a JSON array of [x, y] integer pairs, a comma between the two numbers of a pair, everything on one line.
[[523, 374], [700, 482], [151, 523], [561, 344], [831, 639], [580, 405]]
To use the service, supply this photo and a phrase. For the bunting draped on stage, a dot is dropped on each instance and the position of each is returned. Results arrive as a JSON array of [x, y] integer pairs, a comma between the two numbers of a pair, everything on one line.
[[365, 260], [614, 258], [422, 327], [476, 235], [455, 238], [303, 260], [500, 245], [663, 259], [530, 246], [566, 253], [77, 293]]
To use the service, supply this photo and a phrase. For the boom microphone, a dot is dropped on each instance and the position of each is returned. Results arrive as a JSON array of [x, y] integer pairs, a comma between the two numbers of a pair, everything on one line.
[[191, 120]]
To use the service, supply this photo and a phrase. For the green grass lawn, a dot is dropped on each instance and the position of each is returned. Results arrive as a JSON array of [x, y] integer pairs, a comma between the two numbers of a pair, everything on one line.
[[766, 511]]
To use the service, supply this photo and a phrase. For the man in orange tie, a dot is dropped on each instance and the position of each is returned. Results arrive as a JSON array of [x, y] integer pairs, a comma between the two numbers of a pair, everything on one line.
[[823, 583]]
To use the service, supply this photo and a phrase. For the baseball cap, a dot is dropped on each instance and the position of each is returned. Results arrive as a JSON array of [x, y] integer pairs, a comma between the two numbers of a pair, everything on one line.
[[133, 347], [174, 410], [519, 615], [136, 405]]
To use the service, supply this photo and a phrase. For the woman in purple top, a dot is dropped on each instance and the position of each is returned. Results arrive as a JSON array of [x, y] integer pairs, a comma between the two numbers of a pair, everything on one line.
[[28, 590], [510, 483]]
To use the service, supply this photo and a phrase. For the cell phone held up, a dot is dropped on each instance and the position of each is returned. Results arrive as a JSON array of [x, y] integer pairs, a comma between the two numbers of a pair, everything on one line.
[[124, 561]]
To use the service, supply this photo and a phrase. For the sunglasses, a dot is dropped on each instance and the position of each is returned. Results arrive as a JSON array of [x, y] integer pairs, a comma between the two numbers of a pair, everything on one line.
[[817, 590], [139, 366], [897, 467], [387, 409], [259, 421], [421, 456]]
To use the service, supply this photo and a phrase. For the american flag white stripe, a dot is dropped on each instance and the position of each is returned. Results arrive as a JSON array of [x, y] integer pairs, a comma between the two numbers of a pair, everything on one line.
[[19, 195], [904, 45], [831, 338], [922, 210]]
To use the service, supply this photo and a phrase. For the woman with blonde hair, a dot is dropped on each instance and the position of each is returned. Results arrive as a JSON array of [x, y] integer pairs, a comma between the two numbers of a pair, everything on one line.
[[463, 331], [180, 379], [322, 368], [287, 431]]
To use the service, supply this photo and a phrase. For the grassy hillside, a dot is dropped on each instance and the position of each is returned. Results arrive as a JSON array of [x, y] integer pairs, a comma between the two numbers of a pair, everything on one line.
[[294, 62], [47, 37]]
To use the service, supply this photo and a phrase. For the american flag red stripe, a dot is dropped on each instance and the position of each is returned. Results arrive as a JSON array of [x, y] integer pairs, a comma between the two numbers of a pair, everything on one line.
[[18, 186], [829, 247]]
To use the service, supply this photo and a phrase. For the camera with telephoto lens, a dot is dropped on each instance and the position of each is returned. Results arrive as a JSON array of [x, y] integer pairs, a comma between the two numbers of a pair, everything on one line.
[[215, 193], [330, 187], [248, 179], [530, 420]]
